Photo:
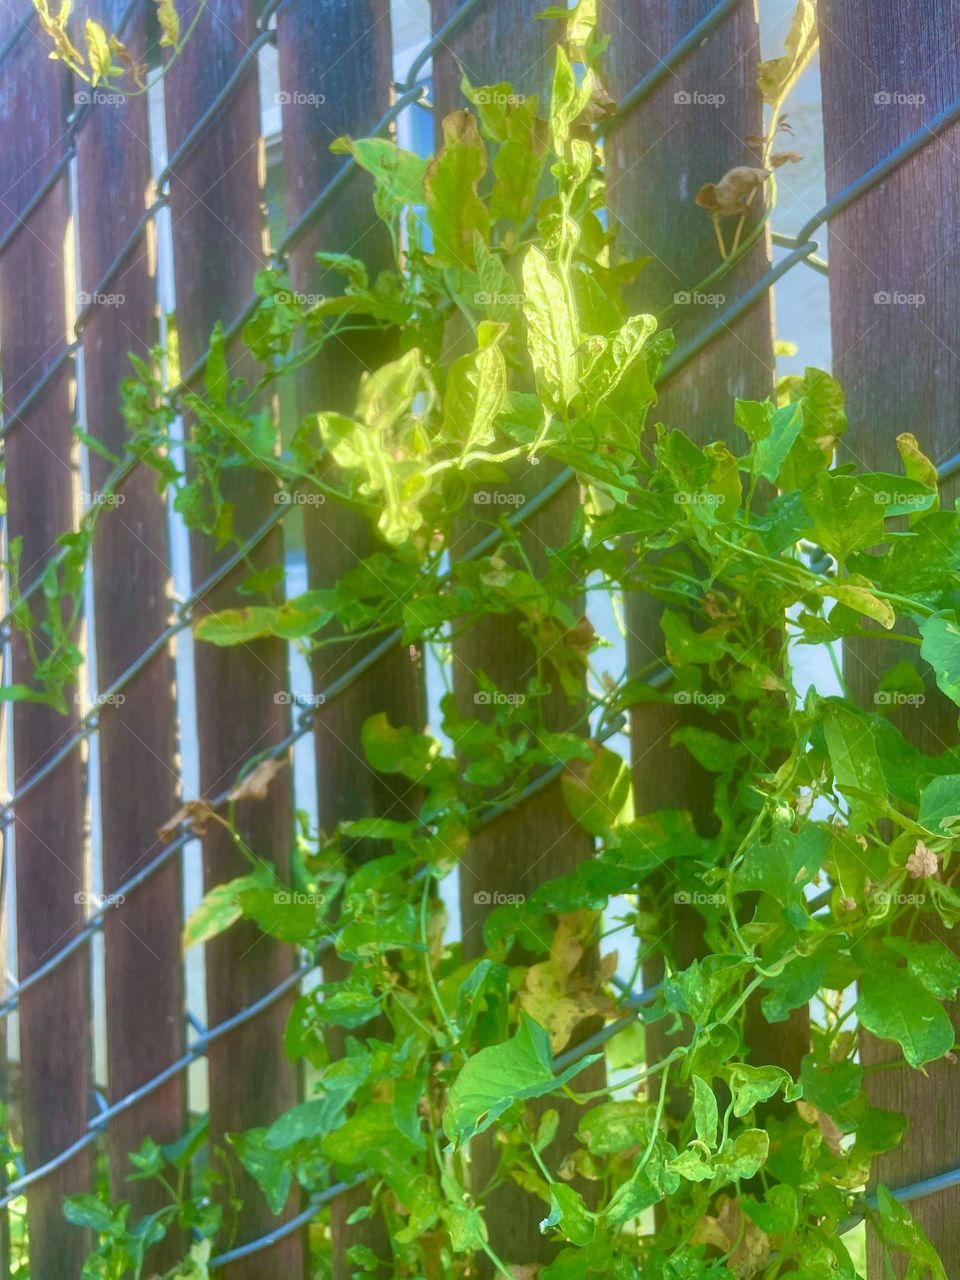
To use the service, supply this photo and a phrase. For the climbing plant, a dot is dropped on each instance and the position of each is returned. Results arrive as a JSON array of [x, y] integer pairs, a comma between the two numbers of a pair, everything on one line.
[[826, 877]]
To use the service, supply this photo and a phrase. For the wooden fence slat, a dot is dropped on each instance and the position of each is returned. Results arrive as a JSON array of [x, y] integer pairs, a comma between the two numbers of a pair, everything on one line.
[[351, 75], [138, 764], [504, 41], [896, 357], [217, 234], [657, 160], [49, 849]]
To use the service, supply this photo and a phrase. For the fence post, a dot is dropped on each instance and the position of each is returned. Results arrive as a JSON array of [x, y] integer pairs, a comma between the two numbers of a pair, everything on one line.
[[886, 68], [658, 157], [351, 76], [138, 735], [503, 40], [218, 241], [49, 834]]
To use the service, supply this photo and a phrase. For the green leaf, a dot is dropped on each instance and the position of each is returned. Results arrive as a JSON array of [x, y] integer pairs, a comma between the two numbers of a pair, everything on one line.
[[705, 1112], [771, 452], [598, 794], [551, 331], [940, 804], [493, 1079], [399, 175], [455, 212], [846, 516], [750, 1085], [777, 76], [941, 648], [852, 744], [568, 1212], [744, 1155], [87, 1211], [895, 1006], [237, 626], [270, 1169], [932, 963], [220, 907], [518, 164], [216, 379], [476, 386], [98, 51], [391, 750], [614, 1126]]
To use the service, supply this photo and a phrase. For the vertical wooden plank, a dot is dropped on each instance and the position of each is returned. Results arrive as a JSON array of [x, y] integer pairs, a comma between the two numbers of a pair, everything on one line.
[[690, 130], [329, 87], [886, 68], [35, 272], [504, 40], [138, 766], [217, 233]]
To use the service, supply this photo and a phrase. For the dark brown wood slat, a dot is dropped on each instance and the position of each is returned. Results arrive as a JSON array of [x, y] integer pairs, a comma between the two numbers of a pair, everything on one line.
[[218, 243], [138, 764], [504, 41], [658, 158], [899, 366], [40, 478], [352, 75]]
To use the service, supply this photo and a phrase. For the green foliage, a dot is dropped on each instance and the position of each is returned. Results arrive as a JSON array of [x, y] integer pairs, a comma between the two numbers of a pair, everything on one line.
[[829, 862]]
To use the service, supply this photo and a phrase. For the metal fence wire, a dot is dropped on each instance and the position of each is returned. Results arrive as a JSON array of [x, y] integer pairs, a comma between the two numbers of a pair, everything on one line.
[[803, 249]]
